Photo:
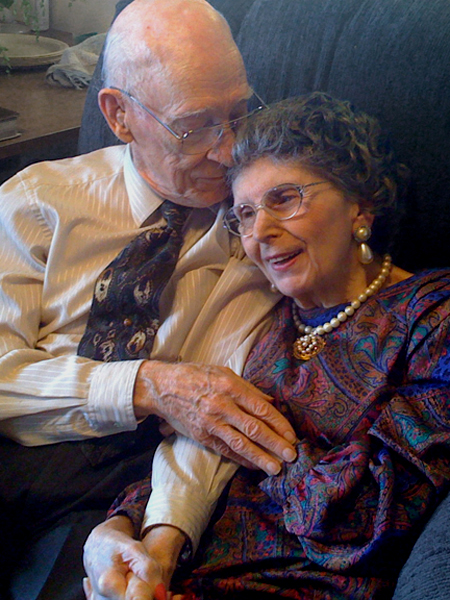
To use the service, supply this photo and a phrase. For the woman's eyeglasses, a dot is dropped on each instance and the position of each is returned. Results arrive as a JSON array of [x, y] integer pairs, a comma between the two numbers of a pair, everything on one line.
[[282, 203]]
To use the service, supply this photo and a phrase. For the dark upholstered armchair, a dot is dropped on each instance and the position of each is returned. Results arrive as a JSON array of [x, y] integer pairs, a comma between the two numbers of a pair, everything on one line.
[[392, 59]]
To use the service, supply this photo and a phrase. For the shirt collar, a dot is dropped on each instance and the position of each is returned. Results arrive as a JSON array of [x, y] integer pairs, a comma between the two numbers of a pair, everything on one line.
[[143, 200]]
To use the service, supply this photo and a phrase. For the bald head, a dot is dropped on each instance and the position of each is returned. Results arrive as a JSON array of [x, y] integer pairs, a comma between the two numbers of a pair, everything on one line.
[[173, 75], [151, 37]]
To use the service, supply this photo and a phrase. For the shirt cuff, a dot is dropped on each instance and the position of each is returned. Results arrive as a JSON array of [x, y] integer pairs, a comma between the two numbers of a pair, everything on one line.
[[111, 396], [187, 482]]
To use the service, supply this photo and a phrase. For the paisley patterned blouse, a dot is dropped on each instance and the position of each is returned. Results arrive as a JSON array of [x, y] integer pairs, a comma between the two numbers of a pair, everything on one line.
[[372, 415]]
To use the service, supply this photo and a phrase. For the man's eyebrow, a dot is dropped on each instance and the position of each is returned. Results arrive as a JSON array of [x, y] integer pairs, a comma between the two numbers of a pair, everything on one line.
[[192, 114], [207, 111]]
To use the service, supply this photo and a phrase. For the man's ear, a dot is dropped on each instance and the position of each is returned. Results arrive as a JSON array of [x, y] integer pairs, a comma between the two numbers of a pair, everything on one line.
[[111, 104]]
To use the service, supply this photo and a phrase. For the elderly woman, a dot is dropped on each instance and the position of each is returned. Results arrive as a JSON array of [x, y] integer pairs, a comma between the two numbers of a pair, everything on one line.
[[357, 359]]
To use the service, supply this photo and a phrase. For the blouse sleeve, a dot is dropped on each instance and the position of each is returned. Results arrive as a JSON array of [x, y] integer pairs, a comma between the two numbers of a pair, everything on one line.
[[132, 503], [344, 502]]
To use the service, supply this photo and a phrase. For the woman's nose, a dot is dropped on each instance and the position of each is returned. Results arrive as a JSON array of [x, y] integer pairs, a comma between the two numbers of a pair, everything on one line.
[[265, 226]]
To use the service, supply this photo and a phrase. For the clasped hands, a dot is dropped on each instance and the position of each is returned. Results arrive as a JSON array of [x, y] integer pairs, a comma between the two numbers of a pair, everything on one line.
[[218, 409], [121, 568]]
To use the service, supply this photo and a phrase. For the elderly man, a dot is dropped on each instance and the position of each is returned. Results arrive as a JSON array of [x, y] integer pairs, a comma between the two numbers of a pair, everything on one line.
[[175, 92]]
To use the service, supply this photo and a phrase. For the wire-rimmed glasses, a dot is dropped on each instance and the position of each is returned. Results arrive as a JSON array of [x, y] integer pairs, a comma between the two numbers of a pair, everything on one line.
[[198, 141], [281, 202]]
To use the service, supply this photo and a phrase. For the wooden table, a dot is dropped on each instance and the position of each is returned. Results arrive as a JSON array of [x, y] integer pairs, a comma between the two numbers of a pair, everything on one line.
[[48, 114], [49, 120]]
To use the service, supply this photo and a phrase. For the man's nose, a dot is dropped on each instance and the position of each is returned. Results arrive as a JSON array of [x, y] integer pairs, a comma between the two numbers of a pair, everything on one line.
[[221, 152]]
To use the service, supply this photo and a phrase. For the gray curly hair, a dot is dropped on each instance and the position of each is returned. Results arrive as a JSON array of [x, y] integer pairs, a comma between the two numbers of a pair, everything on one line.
[[338, 143]]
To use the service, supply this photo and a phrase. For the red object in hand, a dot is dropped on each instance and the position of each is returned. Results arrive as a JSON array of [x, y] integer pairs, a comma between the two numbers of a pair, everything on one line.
[[160, 592]]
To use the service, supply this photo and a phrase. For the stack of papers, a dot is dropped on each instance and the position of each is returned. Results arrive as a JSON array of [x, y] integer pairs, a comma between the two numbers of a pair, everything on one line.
[[8, 124]]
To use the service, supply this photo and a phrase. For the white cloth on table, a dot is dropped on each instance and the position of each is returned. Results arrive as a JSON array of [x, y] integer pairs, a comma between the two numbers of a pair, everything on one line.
[[77, 63]]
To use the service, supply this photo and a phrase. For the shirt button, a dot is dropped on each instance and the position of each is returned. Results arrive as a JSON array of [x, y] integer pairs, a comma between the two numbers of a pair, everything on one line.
[[127, 322]]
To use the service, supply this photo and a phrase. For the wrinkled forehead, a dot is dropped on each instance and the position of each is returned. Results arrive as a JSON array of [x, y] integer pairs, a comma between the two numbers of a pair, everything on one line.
[[195, 81], [181, 49]]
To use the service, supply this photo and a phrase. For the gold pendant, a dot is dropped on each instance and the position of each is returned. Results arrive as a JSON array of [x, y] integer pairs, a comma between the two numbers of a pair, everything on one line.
[[308, 346]]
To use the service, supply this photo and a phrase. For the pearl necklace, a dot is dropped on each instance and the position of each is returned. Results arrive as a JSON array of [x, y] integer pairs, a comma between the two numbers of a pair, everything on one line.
[[311, 341]]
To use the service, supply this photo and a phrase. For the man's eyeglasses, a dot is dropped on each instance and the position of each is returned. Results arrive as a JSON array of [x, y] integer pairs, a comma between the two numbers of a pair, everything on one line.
[[282, 203], [198, 141]]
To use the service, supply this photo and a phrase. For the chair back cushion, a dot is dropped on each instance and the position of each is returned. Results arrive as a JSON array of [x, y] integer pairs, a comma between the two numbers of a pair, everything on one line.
[[391, 59]]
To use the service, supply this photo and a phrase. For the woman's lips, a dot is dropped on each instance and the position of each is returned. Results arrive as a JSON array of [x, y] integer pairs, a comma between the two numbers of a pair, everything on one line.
[[280, 262]]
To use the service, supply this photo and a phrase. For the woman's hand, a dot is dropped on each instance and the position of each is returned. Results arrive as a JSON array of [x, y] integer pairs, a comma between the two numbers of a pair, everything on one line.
[[121, 568], [136, 590]]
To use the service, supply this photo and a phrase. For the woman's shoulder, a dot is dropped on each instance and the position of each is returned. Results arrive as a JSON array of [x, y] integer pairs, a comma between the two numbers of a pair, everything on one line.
[[421, 291], [423, 281]]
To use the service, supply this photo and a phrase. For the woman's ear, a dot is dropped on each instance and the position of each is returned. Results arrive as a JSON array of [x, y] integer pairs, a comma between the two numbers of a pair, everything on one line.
[[363, 217], [111, 104]]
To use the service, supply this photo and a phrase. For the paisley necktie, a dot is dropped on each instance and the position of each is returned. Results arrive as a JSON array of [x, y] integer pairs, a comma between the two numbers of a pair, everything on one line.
[[124, 316]]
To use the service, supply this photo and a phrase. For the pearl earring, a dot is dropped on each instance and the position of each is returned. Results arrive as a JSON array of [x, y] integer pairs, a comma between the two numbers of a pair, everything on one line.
[[361, 235], [273, 288]]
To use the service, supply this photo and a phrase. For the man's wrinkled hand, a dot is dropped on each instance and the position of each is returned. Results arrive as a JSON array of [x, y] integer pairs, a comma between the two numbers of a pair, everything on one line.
[[218, 409], [119, 567]]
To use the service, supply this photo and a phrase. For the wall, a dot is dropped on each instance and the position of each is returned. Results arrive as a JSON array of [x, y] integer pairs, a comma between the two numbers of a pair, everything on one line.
[[84, 16]]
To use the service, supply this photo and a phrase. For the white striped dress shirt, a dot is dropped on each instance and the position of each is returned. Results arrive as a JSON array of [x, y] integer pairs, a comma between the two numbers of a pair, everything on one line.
[[61, 223]]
